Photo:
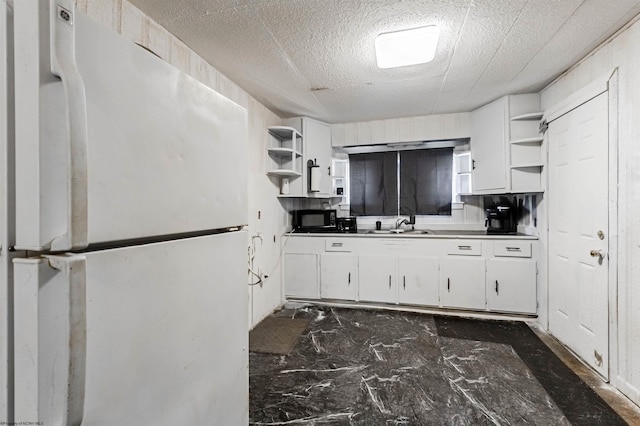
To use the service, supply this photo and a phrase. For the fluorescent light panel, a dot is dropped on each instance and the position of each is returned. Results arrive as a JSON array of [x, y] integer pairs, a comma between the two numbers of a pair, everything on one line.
[[407, 47]]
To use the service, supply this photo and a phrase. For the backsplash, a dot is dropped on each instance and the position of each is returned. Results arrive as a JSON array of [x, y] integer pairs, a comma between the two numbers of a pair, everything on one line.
[[466, 215]]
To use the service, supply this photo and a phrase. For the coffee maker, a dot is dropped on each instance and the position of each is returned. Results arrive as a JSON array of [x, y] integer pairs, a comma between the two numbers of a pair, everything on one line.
[[347, 225], [501, 217]]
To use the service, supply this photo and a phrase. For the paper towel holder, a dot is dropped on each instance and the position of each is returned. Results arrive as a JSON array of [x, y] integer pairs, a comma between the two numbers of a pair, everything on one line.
[[314, 175]]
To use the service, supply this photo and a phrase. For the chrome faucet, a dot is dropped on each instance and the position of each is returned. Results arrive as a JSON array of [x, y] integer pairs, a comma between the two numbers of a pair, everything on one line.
[[400, 221]]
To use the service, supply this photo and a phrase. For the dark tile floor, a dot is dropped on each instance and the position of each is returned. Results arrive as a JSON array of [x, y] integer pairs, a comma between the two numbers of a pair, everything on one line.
[[365, 367]]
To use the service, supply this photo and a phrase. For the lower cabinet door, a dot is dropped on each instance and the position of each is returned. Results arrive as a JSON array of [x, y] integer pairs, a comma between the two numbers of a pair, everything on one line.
[[418, 281], [462, 283], [377, 278], [338, 276], [511, 285], [301, 275]]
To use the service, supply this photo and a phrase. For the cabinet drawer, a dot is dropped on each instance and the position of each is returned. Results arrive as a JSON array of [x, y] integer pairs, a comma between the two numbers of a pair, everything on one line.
[[465, 247], [343, 245], [511, 249]]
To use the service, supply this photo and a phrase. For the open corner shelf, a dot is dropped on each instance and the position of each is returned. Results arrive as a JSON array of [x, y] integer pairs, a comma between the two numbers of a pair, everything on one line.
[[537, 139], [284, 173], [284, 152], [528, 117], [527, 166], [283, 132]]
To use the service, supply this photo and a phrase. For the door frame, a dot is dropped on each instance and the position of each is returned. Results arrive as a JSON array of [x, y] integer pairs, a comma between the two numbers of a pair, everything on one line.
[[605, 83]]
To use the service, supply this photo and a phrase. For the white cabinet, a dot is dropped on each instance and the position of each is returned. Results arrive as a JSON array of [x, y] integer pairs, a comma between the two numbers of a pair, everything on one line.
[[511, 285], [338, 276], [301, 275], [285, 152], [405, 129], [406, 279], [480, 274], [462, 283], [316, 148], [488, 148], [377, 278], [462, 174], [525, 147], [506, 146], [418, 281], [339, 173], [512, 278]]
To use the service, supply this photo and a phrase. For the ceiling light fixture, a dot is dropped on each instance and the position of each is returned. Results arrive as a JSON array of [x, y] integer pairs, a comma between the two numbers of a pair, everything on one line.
[[407, 47]]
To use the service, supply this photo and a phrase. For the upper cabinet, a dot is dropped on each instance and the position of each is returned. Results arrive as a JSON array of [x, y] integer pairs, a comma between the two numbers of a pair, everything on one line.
[[488, 147], [405, 129], [285, 152], [506, 146], [314, 152]]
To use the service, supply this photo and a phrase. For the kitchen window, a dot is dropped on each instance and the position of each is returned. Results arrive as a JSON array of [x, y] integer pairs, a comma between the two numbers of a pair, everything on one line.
[[407, 182]]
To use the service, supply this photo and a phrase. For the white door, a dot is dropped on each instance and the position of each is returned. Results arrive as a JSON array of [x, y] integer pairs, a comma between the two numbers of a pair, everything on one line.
[[123, 145], [150, 335], [418, 280], [377, 278], [338, 276], [578, 231]]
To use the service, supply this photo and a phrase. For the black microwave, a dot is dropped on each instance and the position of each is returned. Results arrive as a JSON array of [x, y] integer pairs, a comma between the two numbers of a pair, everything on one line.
[[315, 220]]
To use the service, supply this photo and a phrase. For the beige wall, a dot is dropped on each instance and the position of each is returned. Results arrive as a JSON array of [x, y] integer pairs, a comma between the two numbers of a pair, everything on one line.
[[623, 53], [127, 20]]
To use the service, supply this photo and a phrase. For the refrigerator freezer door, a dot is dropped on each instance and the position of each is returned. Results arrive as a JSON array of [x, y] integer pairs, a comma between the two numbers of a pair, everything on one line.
[[113, 143], [150, 334]]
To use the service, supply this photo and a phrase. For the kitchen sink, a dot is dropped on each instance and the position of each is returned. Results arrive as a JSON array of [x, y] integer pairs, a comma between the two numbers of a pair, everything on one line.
[[400, 231]]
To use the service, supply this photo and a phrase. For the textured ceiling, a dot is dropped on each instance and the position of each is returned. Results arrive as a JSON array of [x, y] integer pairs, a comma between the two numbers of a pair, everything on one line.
[[316, 57]]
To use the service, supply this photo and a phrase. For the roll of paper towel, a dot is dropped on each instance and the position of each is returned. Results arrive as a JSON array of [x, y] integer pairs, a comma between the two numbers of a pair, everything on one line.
[[284, 186], [315, 179]]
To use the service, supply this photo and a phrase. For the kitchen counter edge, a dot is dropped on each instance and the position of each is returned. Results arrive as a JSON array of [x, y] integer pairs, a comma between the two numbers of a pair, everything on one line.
[[448, 235]]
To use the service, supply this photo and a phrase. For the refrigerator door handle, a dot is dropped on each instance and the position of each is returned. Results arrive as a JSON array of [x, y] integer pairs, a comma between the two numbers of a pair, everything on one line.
[[63, 64], [50, 349], [74, 269]]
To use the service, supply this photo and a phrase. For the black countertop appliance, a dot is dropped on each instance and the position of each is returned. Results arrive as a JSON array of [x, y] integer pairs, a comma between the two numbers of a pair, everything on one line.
[[501, 217], [347, 225], [315, 220]]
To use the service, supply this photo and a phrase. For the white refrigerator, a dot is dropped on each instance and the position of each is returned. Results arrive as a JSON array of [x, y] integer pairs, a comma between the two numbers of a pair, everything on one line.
[[123, 253]]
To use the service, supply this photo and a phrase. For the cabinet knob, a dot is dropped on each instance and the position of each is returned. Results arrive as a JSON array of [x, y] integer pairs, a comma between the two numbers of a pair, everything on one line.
[[496, 286], [404, 282], [449, 284], [349, 279], [389, 282]]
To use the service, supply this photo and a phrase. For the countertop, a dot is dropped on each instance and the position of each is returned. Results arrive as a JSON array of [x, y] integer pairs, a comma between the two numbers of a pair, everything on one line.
[[421, 233]]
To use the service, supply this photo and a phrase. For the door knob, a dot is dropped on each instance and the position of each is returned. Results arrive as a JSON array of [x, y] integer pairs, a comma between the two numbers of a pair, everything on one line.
[[597, 253]]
